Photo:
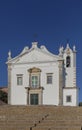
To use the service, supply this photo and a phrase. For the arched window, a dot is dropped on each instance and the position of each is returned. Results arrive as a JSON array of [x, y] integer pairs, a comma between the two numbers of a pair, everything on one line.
[[68, 61]]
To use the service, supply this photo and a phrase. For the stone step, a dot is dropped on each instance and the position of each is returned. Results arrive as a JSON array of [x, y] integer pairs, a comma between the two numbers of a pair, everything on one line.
[[14, 128], [61, 121], [16, 123], [55, 125], [57, 128], [25, 117]]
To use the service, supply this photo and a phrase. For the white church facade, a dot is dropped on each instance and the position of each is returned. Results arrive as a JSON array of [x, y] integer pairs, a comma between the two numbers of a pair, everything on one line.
[[38, 77]]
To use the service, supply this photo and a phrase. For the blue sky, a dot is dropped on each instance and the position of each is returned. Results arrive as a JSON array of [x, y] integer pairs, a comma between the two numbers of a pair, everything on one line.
[[53, 21]]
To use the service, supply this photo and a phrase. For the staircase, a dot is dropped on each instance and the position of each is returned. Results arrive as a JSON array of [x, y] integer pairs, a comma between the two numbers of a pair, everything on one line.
[[40, 118]]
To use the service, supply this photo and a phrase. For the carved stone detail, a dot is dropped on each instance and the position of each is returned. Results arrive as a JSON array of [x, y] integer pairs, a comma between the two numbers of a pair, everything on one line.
[[39, 91], [34, 70]]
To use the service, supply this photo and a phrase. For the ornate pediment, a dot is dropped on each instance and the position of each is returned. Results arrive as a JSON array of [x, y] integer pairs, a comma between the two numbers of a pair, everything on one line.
[[34, 70], [34, 54]]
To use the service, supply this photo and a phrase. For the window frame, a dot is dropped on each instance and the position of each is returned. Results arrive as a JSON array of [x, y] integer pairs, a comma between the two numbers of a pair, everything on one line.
[[19, 79], [68, 98], [38, 80], [48, 80]]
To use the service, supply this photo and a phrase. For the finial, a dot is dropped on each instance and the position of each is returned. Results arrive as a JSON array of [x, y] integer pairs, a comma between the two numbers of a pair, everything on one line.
[[74, 48], [26, 48], [67, 46], [9, 55], [67, 43], [34, 44], [61, 50]]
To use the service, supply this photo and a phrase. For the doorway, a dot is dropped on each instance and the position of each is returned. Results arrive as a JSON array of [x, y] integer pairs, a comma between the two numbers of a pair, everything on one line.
[[34, 99]]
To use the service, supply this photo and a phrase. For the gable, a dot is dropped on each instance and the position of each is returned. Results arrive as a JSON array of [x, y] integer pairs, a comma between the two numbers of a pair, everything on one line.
[[35, 54]]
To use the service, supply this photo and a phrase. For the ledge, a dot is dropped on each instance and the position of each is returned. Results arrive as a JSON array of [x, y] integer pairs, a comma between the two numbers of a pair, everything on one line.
[[30, 88], [70, 88]]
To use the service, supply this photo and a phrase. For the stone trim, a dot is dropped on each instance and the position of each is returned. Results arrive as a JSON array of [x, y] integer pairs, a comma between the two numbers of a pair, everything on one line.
[[9, 84], [34, 70], [38, 91], [61, 82], [70, 88]]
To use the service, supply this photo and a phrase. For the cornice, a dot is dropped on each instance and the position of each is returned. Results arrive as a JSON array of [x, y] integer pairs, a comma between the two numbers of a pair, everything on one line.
[[35, 62]]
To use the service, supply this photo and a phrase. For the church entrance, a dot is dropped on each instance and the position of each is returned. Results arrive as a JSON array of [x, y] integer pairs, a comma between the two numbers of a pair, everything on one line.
[[34, 99]]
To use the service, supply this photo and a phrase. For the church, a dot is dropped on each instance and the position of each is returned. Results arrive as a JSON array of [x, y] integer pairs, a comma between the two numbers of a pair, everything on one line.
[[38, 77]]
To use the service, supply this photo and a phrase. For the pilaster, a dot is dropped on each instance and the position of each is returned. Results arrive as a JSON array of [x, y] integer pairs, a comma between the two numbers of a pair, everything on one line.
[[9, 83], [61, 82], [74, 77]]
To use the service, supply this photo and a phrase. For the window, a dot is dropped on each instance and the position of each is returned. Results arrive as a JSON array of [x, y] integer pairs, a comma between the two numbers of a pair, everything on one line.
[[35, 81], [19, 79], [68, 61], [34, 77], [49, 78], [68, 98]]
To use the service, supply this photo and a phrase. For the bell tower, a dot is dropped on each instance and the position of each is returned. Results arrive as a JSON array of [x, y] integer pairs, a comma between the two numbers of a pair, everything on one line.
[[70, 90], [70, 66]]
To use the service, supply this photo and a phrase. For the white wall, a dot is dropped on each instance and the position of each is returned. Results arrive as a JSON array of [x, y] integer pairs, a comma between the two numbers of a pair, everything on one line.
[[73, 93], [50, 92]]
